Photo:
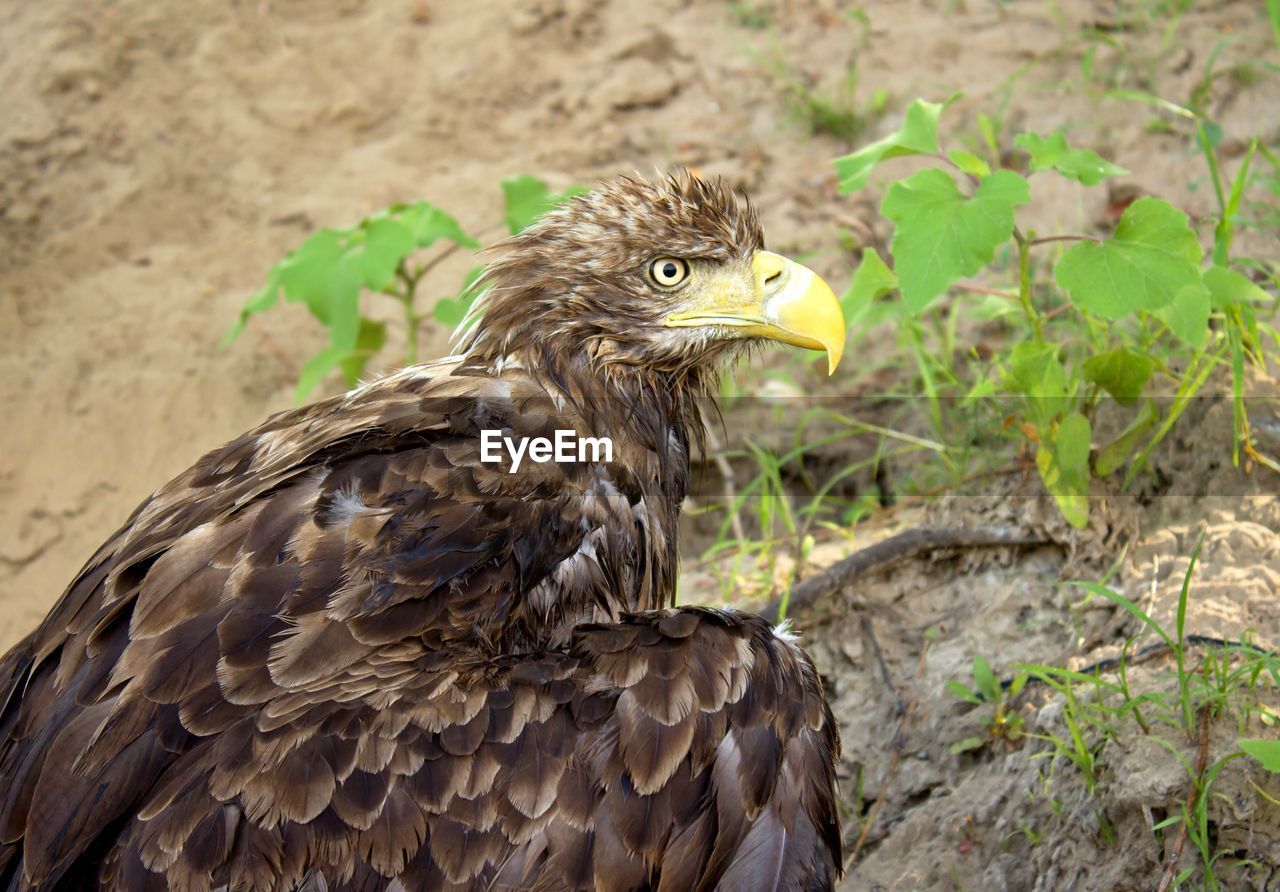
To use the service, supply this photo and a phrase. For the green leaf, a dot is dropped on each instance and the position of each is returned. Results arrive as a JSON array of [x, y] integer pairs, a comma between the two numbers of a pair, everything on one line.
[[1063, 460], [315, 274], [1128, 606], [1227, 287], [1188, 315], [1113, 456], [1052, 153], [872, 280], [962, 692], [970, 163], [1121, 373], [985, 679], [376, 249], [1152, 257], [306, 270], [1035, 371], [1019, 682], [969, 743], [528, 198], [941, 235], [1265, 751], [429, 224], [918, 135], [370, 340], [316, 369]]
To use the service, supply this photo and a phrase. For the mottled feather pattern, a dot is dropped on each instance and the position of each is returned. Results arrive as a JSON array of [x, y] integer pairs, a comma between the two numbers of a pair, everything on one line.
[[341, 652]]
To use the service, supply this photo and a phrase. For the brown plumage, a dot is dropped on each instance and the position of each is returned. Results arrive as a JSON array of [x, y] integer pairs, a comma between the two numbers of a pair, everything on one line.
[[344, 652]]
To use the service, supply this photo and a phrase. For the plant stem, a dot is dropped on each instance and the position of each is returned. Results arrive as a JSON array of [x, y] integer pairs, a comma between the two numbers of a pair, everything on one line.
[[409, 281], [1024, 284], [980, 289], [411, 331], [1044, 240]]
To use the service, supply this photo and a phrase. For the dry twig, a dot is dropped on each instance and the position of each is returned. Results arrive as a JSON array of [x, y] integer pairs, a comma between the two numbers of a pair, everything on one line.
[[898, 548]]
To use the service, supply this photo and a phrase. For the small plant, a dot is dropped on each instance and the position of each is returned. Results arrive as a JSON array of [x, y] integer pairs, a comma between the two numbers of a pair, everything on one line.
[[1100, 320], [333, 268], [1207, 678], [834, 110], [751, 15], [1002, 724], [784, 504]]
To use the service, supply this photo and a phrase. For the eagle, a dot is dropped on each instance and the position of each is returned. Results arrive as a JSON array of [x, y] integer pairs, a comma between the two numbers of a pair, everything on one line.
[[361, 647]]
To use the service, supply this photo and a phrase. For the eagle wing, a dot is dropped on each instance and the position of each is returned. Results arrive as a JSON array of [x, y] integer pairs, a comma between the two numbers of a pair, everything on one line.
[[676, 750], [287, 567]]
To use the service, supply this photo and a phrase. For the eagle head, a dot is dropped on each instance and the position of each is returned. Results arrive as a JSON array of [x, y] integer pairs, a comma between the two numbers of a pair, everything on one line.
[[667, 276]]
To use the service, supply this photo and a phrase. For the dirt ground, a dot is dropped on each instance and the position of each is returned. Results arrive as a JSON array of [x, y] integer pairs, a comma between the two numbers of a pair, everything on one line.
[[156, 158]]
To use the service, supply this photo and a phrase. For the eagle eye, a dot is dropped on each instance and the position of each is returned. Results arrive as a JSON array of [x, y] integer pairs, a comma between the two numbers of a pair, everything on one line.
[[668, 272]]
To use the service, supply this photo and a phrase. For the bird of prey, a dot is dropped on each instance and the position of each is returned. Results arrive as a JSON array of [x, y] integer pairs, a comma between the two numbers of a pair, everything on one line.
[[361, 648]]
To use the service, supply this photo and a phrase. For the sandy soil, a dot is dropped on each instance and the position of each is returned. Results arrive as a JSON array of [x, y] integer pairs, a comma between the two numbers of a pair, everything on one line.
[[157, 157]]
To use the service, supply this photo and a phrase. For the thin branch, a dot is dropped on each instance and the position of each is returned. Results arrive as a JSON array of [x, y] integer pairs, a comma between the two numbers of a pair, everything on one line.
[[1046, 239], [979, 289], [897, 548]]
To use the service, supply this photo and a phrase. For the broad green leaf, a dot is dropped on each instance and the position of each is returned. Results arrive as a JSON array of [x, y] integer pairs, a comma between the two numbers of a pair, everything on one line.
[[1063, 460], [1188, 315], [941, 235], [306, 272], [316, 369], [970, 163], [1265, 751], [376, 249], [370, 340], [1152, 256], [429, 224], [1113, 456], [1052, 153], [315, 274], [918, 135], [1121, 373], [871, 280], [1228, 287], [969, 743], [1035, 371], [344, 323], [528, 198]]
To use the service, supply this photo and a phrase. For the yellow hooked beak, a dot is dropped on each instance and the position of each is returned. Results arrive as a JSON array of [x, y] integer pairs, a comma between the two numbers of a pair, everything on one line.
[[789, 303]]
